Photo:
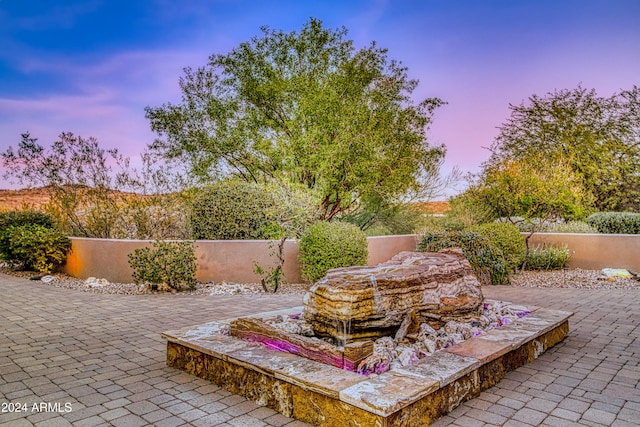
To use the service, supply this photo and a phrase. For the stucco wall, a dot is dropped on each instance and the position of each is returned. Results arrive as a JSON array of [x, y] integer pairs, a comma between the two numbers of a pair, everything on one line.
[[596, 251], [382, 248], [232, 261], [218, 260]]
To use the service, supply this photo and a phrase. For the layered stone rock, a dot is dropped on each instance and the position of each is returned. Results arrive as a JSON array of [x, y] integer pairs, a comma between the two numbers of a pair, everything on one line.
[[360, 303]]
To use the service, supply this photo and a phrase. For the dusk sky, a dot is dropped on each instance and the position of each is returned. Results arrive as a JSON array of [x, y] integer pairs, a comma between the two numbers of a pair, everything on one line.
[[91, 66]]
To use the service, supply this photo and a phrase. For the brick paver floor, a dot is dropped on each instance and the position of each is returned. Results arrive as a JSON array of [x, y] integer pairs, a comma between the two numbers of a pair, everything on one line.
[[83, 359]]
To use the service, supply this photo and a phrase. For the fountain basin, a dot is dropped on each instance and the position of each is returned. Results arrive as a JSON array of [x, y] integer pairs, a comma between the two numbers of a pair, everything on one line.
[[324, 395]]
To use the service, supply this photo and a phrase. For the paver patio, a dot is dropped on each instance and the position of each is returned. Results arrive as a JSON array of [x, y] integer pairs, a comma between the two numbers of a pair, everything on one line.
[[103, 355]]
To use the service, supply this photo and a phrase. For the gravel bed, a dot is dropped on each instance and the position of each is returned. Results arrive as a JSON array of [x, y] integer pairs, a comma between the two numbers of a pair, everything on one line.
[[102, 286], [573, 278]]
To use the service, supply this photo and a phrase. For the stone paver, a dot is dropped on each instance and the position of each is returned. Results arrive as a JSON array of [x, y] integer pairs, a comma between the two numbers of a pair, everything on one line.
[[83, 359]]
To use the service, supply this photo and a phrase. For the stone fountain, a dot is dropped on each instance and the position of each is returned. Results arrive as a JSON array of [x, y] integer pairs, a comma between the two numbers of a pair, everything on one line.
[[311, 375], [375, 301]]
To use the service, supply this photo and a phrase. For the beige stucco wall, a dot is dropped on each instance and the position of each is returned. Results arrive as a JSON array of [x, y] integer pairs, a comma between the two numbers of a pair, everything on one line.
[[218, 260], [102, 258], [381, 248], [232, 260], [596, 251]]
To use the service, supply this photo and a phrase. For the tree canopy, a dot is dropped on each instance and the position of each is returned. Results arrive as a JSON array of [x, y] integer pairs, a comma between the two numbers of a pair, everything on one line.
[[598, 137], [543, 189], [306, 108]]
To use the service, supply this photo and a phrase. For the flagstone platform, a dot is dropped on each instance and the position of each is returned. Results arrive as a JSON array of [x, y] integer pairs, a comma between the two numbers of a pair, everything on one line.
[[324, 395]]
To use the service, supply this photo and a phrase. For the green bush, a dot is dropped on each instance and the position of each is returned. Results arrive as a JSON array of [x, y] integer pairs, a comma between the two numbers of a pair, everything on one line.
[[547, 258], [233, 210], [485, 258], [17, 219], [153, 217], [548, 226], [615, 222], [507, 238], [165, 263], [37, 247], [386, 219], [326, 245], [571, 227], [465, 212], [529, 225]]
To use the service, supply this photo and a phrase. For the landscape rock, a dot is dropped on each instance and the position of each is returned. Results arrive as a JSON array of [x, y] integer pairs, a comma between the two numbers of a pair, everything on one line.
[[438, 286], [48, 279], [95, 282]]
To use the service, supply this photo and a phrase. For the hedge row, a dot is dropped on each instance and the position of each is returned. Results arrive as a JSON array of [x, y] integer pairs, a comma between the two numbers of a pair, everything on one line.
[[615, 222]]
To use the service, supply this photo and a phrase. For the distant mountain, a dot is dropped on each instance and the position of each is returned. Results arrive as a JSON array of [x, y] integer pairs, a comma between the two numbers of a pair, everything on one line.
[[32, 198], [36, 198], [433, 208]]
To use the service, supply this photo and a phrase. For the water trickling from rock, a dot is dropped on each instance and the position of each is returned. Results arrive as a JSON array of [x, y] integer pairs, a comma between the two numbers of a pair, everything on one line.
[[376, 293], [436, 287], [345, 323]]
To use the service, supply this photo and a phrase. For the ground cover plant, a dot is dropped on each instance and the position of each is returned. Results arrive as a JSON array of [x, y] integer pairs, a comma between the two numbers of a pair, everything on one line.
[[547, 257]]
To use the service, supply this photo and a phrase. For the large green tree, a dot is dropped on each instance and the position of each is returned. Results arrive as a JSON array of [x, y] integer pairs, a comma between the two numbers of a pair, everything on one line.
[[543, 189], [307, 108], [598, 136]]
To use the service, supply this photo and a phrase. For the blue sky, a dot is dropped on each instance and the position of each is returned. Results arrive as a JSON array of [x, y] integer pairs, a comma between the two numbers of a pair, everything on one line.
[[90, 67]]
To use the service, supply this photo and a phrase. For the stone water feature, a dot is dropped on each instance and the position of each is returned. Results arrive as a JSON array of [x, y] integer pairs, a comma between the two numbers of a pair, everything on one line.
[[359, 303], [413, 301]]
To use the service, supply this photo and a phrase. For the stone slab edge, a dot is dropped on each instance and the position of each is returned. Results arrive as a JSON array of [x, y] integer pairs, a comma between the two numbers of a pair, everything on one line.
[[383, 394]]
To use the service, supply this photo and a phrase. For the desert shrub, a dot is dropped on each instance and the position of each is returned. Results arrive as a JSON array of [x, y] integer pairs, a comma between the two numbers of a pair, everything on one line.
[[550, 226], [17, 219], [507, 238], [37, 247], [165, 263], [435, 222], [149, 217], [465, 212], [383, 219], [326, 245], [571, 227], [233, 210], [530, 225], [547, 257], [485, 258], [294, 210], [615, 222]]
